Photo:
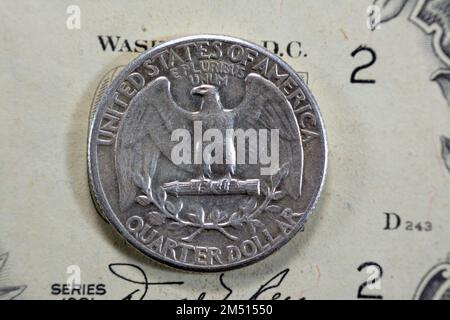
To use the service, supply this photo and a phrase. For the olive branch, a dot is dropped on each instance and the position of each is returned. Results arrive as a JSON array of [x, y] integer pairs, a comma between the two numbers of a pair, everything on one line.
[[247, 214]]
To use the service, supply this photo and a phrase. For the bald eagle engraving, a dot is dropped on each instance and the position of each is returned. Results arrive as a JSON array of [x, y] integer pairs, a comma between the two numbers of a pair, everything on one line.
[[144, 137]]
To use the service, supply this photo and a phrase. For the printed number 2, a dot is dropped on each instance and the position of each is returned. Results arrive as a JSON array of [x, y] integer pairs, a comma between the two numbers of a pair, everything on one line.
[[353, 78], [375, 272]]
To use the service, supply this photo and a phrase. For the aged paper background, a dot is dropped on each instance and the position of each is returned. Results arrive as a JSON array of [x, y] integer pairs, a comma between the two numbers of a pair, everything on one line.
[[385, 153]]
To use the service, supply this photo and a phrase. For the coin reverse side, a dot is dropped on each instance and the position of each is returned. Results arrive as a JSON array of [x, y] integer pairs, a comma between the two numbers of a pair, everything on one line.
[[207, 153]]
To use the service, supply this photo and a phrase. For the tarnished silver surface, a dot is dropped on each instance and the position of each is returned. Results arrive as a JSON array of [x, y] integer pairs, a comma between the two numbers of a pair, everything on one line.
[[204, 203]]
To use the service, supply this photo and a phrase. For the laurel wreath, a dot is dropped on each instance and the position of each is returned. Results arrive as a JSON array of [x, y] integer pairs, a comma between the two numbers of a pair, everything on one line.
[[169, 212]]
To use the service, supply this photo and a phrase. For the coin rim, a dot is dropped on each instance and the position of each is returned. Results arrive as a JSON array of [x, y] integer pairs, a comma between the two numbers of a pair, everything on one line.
[[100, 197]]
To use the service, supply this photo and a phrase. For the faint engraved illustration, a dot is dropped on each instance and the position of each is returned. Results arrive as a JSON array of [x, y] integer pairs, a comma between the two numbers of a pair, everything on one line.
[[435, 284], [8, 292], [390, 8], [446, 151], [383, 11], [433, 17], [442, 77]]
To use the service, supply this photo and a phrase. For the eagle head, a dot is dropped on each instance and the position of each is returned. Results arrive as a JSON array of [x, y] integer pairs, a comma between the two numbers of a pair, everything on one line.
[[210, 97]]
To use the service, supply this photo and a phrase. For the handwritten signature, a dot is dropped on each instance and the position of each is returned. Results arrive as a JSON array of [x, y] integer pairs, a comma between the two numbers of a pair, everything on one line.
[[143, 284]]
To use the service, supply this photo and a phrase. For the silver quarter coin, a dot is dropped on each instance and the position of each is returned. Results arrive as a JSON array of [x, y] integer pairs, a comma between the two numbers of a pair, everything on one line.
[[207, 153]]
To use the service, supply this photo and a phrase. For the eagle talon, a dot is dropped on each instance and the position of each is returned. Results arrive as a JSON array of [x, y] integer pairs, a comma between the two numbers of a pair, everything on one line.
[[228, 176], [226, 182]]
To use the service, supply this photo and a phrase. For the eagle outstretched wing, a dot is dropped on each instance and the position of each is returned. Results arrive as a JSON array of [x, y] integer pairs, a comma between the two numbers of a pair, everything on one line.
[[265, 107], [145, 134]]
